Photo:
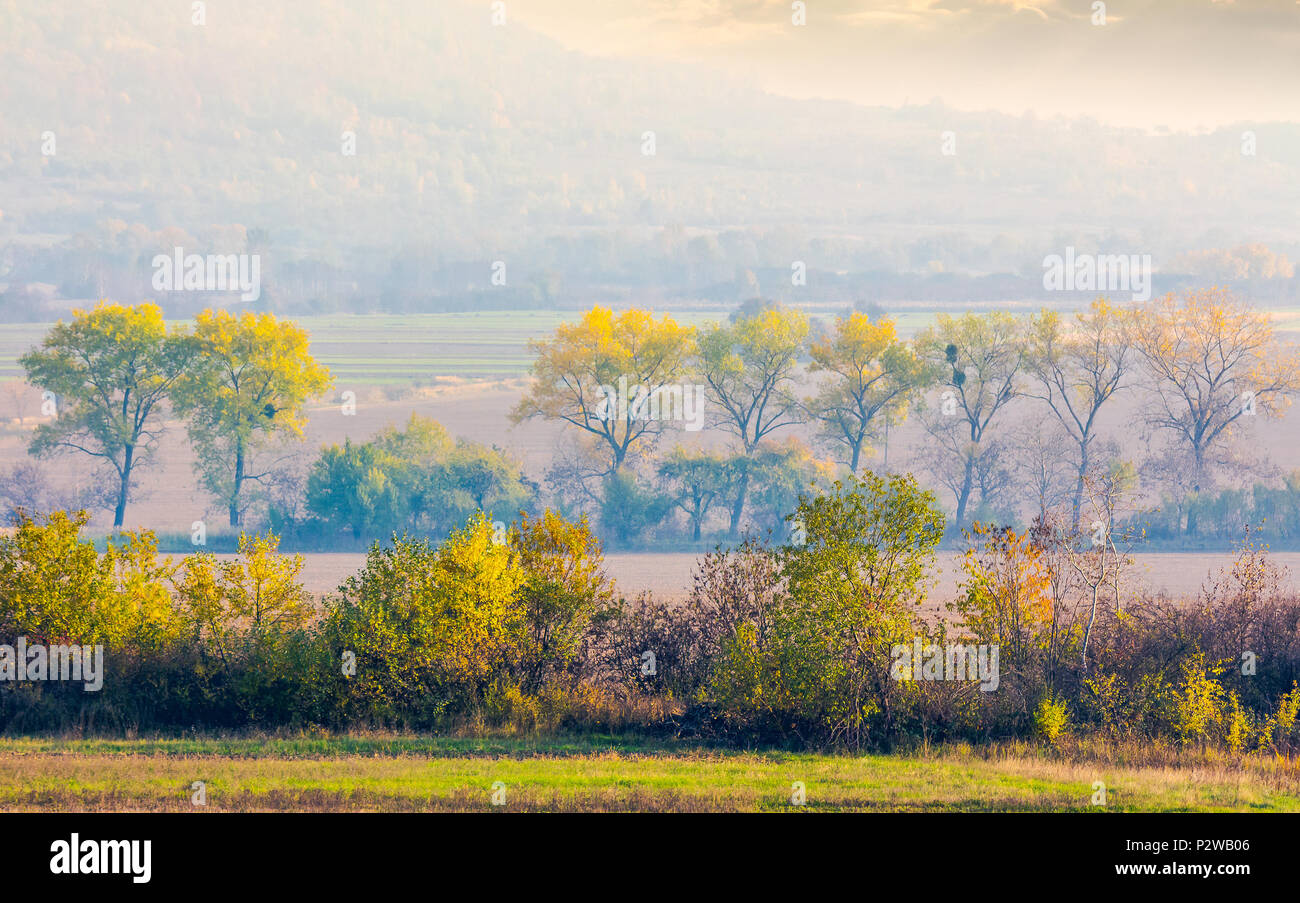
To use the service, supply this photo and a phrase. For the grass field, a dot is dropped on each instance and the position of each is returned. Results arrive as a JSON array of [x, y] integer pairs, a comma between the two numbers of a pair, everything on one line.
[[383, 350], [396, 350], [408, 773], [404, 349]]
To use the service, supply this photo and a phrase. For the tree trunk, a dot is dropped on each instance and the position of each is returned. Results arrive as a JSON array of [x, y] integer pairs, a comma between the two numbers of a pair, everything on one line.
[[124, 488], [239, 483], [1078, 489], [964, 498], [738, 507], [1087, 633], [886, 465], [1192, 515]]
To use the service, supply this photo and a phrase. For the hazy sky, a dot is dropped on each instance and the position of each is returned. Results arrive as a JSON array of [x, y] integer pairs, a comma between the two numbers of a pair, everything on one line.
[[1185, 64]]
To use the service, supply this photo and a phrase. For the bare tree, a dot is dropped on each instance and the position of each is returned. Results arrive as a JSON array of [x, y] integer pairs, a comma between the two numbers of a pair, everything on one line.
[[1078, 366], [32, 488], [982, 356], [1211, 363], [1043, 476], [1098, 561]]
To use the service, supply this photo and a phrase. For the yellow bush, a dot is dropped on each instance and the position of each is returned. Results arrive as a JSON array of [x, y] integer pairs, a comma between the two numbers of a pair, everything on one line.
[[1197, 702], [1278, 732], [1051, 718], [1237, 724]]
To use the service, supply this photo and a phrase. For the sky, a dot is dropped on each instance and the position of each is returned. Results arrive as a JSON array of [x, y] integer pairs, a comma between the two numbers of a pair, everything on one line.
[[1186, 65]]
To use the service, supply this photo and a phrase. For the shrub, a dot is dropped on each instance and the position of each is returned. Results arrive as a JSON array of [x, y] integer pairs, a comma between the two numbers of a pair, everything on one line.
[[1197, 702], [258, 656], [1279, 731], [431, 628], [54, 585], [628, 510], [734, 590], [520, 629], [851, 588], [564, 593], [1051, 718], [415, 480], [1238, 726]]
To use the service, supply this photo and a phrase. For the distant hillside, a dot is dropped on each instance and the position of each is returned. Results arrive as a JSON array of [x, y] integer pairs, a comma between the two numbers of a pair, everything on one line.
[[477, 143]]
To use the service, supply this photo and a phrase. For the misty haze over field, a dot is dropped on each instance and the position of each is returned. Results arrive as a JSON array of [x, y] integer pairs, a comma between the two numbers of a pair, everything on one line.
[[900, 158], [890, 147]]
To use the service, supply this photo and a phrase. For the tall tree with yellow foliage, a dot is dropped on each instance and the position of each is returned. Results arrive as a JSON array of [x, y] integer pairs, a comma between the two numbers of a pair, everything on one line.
[[577, 368], [108, 372], [749, 367], [251, 378], [981, 357], [872, 373]]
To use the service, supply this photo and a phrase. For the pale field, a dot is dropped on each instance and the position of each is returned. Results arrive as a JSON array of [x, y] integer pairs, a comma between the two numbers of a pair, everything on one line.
[[668, 575]]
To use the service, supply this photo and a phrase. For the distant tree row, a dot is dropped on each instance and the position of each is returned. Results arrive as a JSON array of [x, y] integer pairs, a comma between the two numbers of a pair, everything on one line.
[[242, 382], [1194, 366], [239, 381]]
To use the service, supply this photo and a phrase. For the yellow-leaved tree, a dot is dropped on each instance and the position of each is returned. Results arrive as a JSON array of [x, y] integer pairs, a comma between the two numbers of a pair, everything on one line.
[[1079, 363], [632, 350], [981, 357], [108, 373], [749, 367], [873, 377], [249, 382]]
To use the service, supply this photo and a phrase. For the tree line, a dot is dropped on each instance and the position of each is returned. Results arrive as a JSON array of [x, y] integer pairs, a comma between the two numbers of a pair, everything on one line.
[[1190, 369], [240, 382], [1193, 367]]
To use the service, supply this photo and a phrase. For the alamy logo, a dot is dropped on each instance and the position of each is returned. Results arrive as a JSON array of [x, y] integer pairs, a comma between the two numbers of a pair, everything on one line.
[[676, 402], [953, 661], [1098, 273], [40, 662], [214, 273], [102, 857]]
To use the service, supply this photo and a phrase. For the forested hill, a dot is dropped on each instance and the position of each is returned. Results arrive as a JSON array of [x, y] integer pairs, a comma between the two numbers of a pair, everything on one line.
[[229, 136]]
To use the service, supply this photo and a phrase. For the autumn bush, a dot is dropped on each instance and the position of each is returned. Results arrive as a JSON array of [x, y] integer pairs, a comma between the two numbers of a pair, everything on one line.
[[486, 623], [518, 628], [1051, 717]]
